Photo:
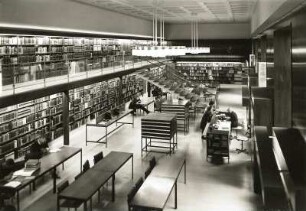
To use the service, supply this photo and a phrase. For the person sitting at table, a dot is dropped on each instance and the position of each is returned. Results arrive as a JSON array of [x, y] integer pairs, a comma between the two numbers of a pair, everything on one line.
[[233, 117], [136, 104], [38, 149], [206, 118], [156, 91], [8, 167]]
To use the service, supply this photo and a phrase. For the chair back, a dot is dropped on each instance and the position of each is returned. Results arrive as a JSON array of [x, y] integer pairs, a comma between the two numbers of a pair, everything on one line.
[[98, 157], [131, 194], [62, 186], [7, 192], [86, 166], [153, 162], [139, 183], [78, 176], [148, 172]]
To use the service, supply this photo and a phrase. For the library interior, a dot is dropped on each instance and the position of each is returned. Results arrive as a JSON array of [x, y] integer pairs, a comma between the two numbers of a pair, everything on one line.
[[153, 105]]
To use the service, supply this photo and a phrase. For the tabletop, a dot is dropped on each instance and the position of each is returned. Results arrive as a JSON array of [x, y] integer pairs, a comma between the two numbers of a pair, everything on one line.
[[113, 161], [159, 117], [87, 185], [170, 167], [154, 192], [47, 163], [176, 102]]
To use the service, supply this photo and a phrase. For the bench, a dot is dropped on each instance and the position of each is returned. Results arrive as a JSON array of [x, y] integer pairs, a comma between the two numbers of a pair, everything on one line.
[[101, 123]]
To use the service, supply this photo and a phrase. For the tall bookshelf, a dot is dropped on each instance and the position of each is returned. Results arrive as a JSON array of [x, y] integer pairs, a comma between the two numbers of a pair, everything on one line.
[[30, 58], [205, 72], [22, 124]]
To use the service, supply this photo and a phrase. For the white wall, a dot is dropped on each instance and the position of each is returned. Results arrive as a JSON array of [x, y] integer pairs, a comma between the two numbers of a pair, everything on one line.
[[263, 10], [208, 31], [72, 15]]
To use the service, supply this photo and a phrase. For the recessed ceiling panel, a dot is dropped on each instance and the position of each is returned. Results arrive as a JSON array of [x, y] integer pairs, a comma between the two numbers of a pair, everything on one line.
[[181, 10]]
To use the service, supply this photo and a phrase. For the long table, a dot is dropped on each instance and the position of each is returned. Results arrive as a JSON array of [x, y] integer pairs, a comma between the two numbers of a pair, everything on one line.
[[100, 123], [93, 179], [48, 163], [156, 189]]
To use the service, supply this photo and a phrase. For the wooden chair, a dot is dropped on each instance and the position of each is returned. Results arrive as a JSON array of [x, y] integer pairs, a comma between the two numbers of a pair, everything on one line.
[[98, 157], [130, 197], [139, 183], [153, 162], [148, 172], [68, 203], [86, 166]]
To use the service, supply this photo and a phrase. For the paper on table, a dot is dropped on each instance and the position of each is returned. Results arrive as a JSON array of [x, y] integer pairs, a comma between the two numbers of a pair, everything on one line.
[[24, 173], [54, 150], [13, 184]]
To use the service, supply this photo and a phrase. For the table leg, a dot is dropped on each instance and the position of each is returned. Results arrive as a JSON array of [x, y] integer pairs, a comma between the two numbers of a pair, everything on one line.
[[90, 202], [86, 134], [175, 195], [57, 203], [34, 186], [185, 171], [106, 137], [132, 167], [113, 188], [18, 202], [85, 206], [81, 157], [54, 180], [133, 120]]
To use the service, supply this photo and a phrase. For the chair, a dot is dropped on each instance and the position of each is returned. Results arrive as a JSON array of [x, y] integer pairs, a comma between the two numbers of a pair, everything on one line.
[[68, 203], [86, 166], [239, 138], [139, 183], [98, 157], [148, 172], [7, 193], [153, 162], [78, 176], [130, 197]]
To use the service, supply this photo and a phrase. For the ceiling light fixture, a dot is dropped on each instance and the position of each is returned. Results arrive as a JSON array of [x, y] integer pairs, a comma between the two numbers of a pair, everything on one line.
[[160, 49]]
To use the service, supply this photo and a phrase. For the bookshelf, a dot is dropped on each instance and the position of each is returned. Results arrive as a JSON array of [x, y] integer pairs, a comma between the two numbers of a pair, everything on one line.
[[30, 58], [22, 124], [205, 72]]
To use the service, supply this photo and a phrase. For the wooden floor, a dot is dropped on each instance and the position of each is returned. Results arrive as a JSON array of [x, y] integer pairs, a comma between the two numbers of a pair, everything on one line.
[[209, 186]]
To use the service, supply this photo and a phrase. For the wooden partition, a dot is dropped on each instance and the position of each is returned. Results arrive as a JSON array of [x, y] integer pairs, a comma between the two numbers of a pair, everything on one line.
[[282, 78]]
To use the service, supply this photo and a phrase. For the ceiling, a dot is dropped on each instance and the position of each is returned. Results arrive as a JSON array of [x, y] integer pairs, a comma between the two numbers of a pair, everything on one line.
[[182, 11]]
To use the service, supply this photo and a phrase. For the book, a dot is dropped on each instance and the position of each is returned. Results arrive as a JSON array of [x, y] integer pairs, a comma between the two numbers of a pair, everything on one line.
[[13, 184]]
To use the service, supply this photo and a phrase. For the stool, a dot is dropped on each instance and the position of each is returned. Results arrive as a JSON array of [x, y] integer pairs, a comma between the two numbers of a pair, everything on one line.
[[236, 129], [242, 139]]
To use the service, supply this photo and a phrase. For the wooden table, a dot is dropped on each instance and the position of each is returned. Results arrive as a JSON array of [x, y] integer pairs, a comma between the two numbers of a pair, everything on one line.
[[158, 130], [154, 193], [156, 189], [170, 167], [48, 163], [93, 179]]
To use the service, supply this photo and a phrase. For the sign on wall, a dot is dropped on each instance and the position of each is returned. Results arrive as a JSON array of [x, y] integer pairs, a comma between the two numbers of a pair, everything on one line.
[[262, 74]]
